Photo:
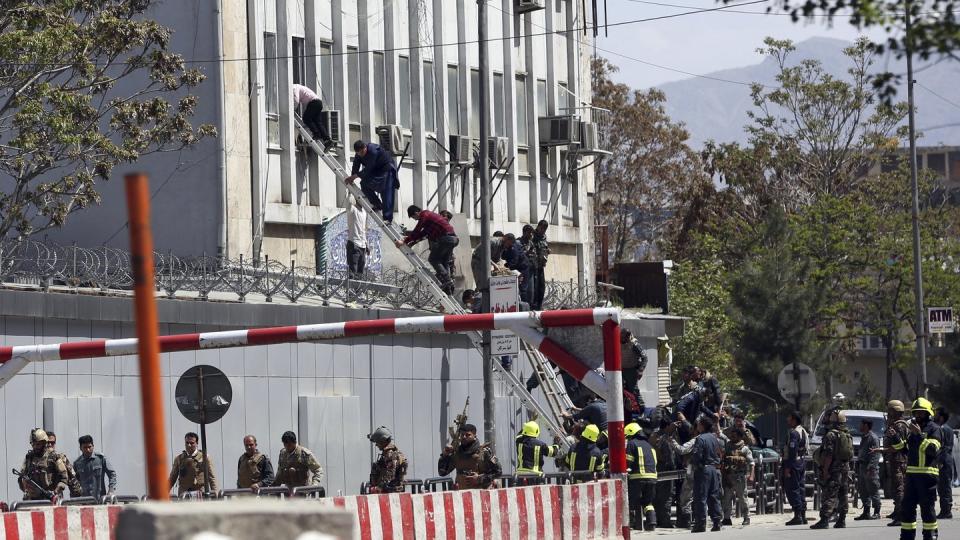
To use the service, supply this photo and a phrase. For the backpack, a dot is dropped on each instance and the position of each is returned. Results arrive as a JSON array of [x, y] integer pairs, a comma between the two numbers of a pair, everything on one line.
[[844, 445]]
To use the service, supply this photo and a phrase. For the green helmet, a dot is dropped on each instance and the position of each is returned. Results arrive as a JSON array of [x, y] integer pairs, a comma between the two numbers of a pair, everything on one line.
[[380, 435]]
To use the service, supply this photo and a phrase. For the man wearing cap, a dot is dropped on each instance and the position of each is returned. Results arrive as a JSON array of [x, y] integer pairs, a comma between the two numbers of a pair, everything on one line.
[[923, 447], [531, 451], [794, 469], [388, 472], [868, 471], [895, 450], [476, 465], [641, 477], [42, 466], [254, 469], [296, 466]]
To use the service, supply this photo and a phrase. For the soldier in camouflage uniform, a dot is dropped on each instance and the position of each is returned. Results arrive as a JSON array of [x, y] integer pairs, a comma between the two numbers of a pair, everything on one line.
[[667, 460], [477, 467], [42, 466], [895, 448], [254, 469], [737, 470], [834, 473], [542, 249], [388, 472], [72, 481], [188, 472], [296, 466]]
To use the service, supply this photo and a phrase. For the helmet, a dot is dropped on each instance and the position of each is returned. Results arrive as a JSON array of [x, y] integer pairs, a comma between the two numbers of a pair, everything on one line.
[[632, 429], [922, 404], [38, 435], [531, 429], [838, 397], [591, 433], [381, 434], [841, 418], [895, 405]]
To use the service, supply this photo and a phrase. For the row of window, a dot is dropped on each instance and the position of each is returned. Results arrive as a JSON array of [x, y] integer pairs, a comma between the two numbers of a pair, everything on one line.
[[452, 121]]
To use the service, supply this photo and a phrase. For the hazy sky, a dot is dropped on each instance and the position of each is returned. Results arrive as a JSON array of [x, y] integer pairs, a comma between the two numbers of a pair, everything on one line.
[[698, 43]]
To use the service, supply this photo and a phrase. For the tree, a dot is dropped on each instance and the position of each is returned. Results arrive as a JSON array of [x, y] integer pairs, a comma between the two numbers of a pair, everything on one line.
[[651, 162], [84, 86]]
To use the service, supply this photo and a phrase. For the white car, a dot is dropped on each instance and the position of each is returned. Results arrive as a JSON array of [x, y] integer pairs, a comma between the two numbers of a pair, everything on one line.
[[854, 416]]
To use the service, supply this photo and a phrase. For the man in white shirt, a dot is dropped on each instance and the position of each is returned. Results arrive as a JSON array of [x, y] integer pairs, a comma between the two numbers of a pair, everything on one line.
[[312, 106], [357, 249]]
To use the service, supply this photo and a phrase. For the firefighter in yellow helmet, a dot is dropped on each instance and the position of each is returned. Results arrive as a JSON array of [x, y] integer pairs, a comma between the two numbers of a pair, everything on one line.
[[923, 446], [585, 456], [642, 477], [531, 451]]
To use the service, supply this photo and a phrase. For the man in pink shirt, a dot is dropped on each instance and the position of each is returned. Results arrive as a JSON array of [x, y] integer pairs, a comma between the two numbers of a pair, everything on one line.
[[312, 106]]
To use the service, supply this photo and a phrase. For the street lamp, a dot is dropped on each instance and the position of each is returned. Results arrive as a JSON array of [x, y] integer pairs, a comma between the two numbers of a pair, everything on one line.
[[776, 408]]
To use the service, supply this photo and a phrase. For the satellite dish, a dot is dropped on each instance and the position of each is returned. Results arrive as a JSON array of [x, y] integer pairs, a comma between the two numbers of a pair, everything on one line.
[[203, 394], [797, 382]]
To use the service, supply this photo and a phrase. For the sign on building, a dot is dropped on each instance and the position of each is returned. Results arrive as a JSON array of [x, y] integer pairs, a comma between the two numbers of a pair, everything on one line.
[[940, 320], [504, 298]]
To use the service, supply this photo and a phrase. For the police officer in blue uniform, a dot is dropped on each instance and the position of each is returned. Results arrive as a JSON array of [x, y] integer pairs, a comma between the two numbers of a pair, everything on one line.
[[705, 458], [794, 469]]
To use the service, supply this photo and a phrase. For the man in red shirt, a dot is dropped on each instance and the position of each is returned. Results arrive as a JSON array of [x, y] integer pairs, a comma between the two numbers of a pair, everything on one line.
[[443, 239]]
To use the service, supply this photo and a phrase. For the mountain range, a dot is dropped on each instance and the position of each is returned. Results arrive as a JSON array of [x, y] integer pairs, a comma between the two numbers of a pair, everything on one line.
[[715, 109]]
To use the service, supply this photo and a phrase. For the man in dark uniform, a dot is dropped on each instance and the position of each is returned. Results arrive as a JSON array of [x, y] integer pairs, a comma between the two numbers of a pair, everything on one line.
[[641, 477], [254, 469], [377, 171], [923, 447], [833, 458], [794, 469], [667, 460], [868, 471], [477, 467], [531, 451], [947, 466], [895, 450], [585, 456], [705, 459], [390, 469]]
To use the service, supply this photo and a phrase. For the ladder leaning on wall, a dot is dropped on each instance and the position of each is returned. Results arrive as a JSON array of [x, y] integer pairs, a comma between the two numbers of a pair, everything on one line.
[[556, 397]]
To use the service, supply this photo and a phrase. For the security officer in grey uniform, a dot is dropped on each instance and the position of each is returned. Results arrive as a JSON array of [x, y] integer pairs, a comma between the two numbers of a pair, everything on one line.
[[947, 465], [868, 471]]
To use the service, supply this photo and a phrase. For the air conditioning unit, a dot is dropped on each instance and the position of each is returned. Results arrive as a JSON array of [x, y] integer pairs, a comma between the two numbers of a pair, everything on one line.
[[559, 130], [497, 151], [391, 138], [331, 119], [461, 149], [526, 6], [590, 140]]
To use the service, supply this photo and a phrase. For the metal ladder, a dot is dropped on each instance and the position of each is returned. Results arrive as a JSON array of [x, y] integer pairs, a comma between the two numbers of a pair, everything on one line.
[[426, 276]]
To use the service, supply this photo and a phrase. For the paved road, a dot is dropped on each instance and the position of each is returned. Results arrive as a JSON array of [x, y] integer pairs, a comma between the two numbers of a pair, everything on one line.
[[764, 527]]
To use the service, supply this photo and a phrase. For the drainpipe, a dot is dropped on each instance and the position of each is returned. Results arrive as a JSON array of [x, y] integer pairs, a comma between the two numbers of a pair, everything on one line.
[[221, 142]]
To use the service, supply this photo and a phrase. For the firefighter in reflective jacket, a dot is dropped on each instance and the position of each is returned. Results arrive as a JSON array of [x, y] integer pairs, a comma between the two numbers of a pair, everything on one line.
[[531, 451], [923, 445], [642, 479], [585, 455]]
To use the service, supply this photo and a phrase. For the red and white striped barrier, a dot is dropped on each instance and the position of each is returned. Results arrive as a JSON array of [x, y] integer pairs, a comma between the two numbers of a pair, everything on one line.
[[570, 512], [60, 523]]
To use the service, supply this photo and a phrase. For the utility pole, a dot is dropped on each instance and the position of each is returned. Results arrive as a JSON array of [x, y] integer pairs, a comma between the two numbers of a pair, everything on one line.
[[489, 406], [917, 262]]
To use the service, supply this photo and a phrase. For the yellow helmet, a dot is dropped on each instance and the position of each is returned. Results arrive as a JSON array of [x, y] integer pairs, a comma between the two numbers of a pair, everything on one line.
[[531, 429], [922, 404], [591, 433], [632, 429], [38, 435]]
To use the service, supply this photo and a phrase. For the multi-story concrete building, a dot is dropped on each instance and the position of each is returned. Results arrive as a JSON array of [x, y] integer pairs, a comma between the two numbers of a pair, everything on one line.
[[409, 63]]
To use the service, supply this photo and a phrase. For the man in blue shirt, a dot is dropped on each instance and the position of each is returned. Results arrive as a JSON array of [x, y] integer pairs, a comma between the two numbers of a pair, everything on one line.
[[947, 465], [377, 172]]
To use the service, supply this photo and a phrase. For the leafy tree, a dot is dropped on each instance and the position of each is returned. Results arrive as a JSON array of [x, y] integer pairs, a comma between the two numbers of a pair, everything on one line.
[[636, 186], [84, 85]]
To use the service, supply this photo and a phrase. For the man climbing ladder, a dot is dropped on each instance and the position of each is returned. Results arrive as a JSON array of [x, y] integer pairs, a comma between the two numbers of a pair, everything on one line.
[[377, 172]]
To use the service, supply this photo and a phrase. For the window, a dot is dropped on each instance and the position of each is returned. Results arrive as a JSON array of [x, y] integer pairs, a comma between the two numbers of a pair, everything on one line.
[[453, 99], [937, 163], [429, 99], [499, 105], [353, 84], [870, 343], [475, 103], [271, 89], [521, 108], [563, 100], [405, 101], [379, 89], [542, 97], [955, 166], [326, 76], [300, 61]]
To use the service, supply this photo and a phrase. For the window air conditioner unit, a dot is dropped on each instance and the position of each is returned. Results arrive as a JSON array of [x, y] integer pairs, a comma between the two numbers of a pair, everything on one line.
[[526, 6], [590, 140], [391, 138], [559, 130], [497, 151], [461, 150], [331, 119]]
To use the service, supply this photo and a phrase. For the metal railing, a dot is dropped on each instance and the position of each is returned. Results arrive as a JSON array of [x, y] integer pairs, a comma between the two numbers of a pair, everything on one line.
[[105, 269]]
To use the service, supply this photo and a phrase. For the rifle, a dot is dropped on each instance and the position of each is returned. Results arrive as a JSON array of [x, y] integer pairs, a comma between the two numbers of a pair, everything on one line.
[[458, 423], [45, 492]]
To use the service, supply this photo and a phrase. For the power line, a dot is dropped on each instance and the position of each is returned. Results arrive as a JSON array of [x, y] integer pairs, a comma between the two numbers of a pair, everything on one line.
[[945, 100]]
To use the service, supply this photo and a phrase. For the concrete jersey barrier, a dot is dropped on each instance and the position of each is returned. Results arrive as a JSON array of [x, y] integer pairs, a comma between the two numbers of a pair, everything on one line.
[[593, 510], [60, 523]]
